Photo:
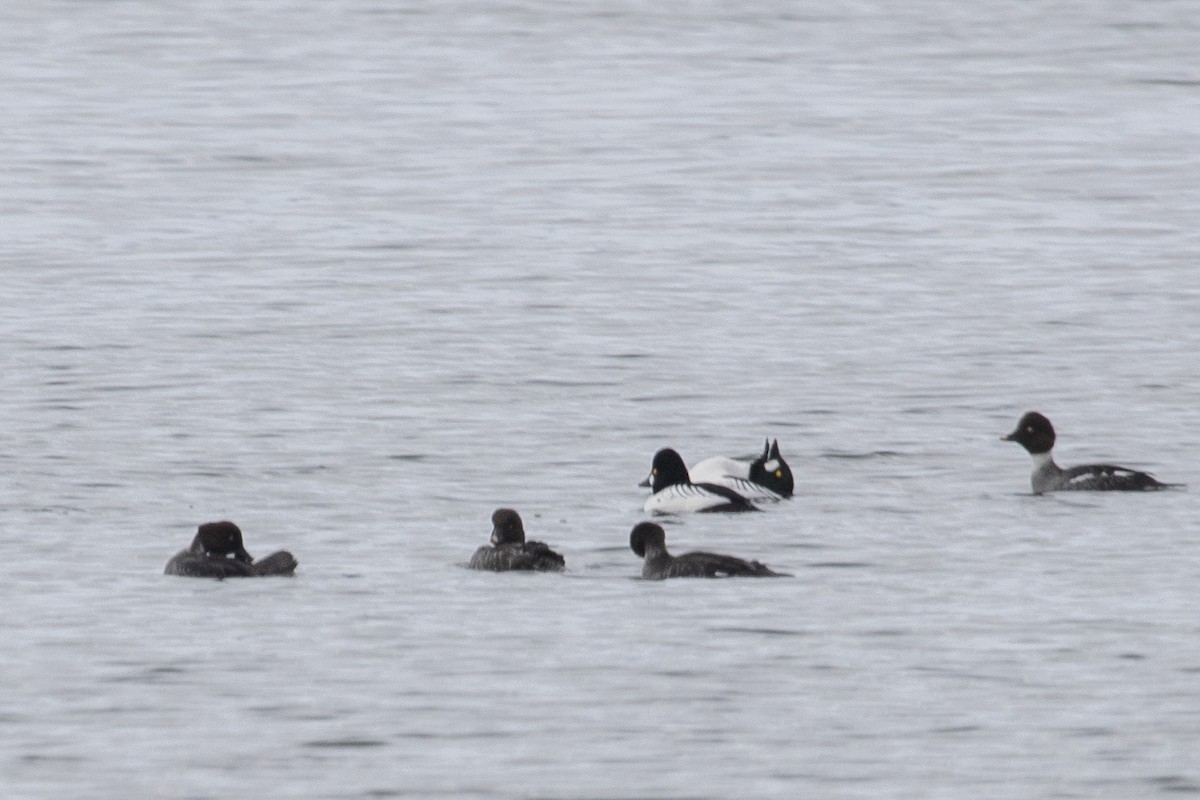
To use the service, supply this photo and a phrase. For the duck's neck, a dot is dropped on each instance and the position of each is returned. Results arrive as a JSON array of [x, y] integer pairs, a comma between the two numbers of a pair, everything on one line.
[[1046, 475], [657, 555], [1043, 462]]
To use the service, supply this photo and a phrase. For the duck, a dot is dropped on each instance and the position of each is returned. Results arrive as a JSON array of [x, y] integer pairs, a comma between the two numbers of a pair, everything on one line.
[[509, 551], [649, 541], [217, 551], [1035, 433], [674, 493], [765, 479]]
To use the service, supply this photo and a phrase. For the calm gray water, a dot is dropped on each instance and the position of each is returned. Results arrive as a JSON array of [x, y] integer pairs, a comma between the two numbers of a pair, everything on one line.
[[354, 274]]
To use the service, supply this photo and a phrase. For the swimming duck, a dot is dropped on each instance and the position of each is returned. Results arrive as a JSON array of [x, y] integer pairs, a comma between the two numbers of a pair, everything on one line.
[[509, 550], [767, 478], [674, 492], [217, 552], [1035, 433], [648, 540]]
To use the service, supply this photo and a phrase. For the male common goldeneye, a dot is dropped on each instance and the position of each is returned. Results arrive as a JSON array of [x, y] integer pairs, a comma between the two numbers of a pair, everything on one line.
[[1035, 433], [650, 542], [510, 551], [217, 552], [674, 492], [767, 478]]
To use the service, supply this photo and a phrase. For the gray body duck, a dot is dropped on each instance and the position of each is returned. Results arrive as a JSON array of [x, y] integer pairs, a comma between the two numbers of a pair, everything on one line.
[[648, 540], [509, 551], [217, 551], [1035, 433]]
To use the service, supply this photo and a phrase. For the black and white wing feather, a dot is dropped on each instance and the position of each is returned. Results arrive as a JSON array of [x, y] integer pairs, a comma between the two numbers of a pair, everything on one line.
[[754, 492], [685, 498], [1108, 478]]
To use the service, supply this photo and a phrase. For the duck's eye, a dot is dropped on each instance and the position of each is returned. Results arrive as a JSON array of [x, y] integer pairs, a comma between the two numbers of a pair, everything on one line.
[[778, 473], [1029, 429], [654, 471]]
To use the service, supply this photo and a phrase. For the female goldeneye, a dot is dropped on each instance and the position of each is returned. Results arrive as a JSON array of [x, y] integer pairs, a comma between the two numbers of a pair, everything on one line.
[[217, 552], [767, 478], [1035, 433], [674, 493], [510, 551], [650, 542]]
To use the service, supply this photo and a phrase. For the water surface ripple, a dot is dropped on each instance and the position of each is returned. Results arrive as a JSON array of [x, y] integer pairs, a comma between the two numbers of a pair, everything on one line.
[[354, 274]]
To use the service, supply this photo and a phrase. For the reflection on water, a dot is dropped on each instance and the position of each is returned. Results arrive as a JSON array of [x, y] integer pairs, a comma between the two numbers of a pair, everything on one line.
[[354, 276]]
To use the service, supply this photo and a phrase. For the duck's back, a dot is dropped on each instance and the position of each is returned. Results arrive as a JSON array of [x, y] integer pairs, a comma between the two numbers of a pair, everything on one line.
[[1107, 478], [280, 563], [197, 565], [193, 565], [716, 468], [712, 565], [528, 556]]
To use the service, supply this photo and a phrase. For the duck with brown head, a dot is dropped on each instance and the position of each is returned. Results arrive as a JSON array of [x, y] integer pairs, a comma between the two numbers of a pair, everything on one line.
[[1035, 433], [509, 551], [649, 541], [217, 551]]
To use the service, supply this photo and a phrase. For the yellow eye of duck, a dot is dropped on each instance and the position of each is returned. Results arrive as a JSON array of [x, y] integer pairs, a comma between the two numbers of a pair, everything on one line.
[[778, 473]]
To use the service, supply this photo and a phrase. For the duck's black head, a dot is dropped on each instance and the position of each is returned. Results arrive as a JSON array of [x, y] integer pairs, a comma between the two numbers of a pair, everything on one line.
[[771, 471], [1034, 432], [667, 469], [644, 535], [222, 539], [507, 527]]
